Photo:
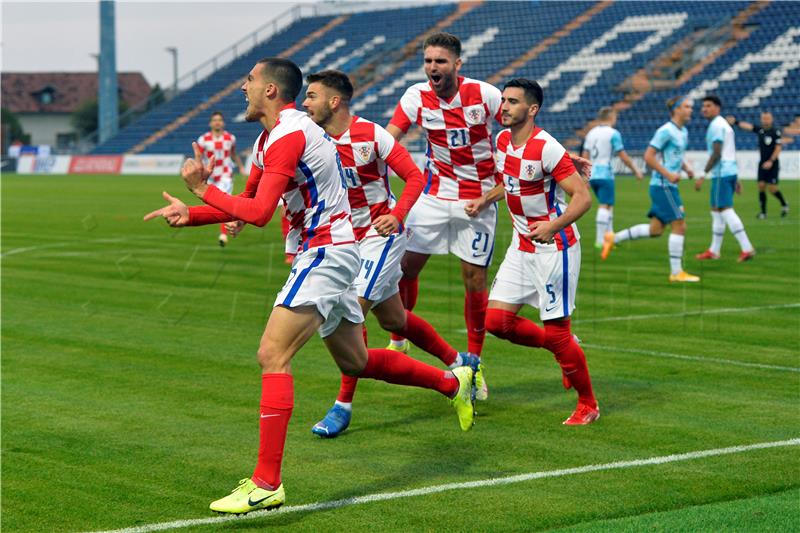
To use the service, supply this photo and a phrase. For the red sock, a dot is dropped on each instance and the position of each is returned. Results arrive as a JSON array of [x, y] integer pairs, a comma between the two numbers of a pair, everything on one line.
[[409, 287], [475, 317], [519, 330], [400, 369], [559, 340], [277, 400], [347, 389], [223, 229], [422, 334]]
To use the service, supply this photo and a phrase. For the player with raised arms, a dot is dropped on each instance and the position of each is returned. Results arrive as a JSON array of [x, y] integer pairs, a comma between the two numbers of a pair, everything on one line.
[[543, 262], [296, 159], [670, 141], [221, 145], [366, 150], [721, 167], [602, 143]]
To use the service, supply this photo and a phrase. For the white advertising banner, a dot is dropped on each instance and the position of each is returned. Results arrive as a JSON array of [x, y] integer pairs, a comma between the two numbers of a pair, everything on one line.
[[51, 164], [152, 164]]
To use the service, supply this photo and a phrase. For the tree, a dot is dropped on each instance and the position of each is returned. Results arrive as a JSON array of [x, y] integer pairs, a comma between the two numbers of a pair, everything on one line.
[[84, 118], [15, 131], [156, 97]]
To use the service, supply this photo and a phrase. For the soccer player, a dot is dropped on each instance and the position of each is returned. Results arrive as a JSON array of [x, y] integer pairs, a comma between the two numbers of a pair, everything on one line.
[[365, 149], [721, 166], [222, 146], [602, 143], [770, 145], [542, 264], [296, 159], [456, 113], [670, 140]]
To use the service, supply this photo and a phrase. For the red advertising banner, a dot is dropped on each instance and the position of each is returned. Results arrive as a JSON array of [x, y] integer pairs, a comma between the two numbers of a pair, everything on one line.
[[95, 164]]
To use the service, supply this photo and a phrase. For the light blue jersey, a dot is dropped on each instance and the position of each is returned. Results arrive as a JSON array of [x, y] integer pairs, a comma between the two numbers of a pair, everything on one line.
[[671, 142], [719, 131], [603, 143]]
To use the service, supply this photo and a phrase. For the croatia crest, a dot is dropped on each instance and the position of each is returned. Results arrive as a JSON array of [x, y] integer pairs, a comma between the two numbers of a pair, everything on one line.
[[364, 151], [474, 115], [530, 171]]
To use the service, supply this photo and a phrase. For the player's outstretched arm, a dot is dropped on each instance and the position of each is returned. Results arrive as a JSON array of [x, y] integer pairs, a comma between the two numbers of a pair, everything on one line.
[[401, 162], [582, 165], [580, 202], [625, 158], [175, 213], [746, 126]]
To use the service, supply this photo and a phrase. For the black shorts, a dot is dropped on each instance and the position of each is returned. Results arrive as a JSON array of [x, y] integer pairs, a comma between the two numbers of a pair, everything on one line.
[[768, 176]]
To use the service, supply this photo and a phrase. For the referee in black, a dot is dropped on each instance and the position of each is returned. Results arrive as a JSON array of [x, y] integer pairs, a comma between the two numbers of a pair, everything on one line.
[[769, 144]]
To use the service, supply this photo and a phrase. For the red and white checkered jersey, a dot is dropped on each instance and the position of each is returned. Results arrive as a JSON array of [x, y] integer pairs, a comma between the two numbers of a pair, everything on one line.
[[460, 152], [316, 197], [531, 173], [222, 147], [363, 150]]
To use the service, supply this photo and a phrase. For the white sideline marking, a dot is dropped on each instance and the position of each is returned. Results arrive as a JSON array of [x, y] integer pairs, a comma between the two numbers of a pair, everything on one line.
[[692, 357], [369, 498], [686, 313]]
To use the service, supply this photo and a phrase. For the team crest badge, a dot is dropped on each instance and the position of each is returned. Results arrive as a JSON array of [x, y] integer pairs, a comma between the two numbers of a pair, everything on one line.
[[474, 115], [529, 170], [364, 151]]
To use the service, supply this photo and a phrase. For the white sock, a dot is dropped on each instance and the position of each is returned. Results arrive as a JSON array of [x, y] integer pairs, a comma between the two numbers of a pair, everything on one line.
[[737, 228], [398, 344], [717, 231], [675, 248], [601, 223], [345, 405], [639, 231], [610, 220]]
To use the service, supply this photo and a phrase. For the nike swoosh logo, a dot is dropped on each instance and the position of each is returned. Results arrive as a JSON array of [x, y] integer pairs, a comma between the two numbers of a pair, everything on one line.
[[568, 373], [252, 503], [268, 416], [548, 309]]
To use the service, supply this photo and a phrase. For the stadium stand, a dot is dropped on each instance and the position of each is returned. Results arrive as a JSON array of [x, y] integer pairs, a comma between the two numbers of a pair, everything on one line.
[[584, 54]]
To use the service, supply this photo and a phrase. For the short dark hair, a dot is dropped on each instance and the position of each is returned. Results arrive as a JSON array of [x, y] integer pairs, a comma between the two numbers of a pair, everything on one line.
[[333, 79], [285, 74], [714, 99], [533, 91], [448, 41], [215, 113]]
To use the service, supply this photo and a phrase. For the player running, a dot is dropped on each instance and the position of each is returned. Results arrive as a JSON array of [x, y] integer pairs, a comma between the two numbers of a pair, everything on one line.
[[670, 140], [456, 114], [721, 166], [770, 145], [296, 159], [542, 264], [222, 146], [602, 143], [365, 149]]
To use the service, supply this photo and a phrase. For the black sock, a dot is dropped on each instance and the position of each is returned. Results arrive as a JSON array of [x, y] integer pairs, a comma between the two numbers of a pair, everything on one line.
[[762, 199], [779, 196]]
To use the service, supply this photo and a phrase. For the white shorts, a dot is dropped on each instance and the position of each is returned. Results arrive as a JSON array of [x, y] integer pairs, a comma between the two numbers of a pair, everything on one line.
[[323, 277], [439, 227], [546, 280], [224, 184], [380, 267]]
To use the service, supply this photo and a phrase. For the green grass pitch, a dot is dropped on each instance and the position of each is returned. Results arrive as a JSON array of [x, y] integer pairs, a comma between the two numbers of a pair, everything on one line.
[[130, 387]]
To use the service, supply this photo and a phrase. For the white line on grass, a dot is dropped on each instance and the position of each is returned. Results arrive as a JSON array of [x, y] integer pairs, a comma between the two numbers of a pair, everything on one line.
[[369, 498], [698, 312], [692, 357]]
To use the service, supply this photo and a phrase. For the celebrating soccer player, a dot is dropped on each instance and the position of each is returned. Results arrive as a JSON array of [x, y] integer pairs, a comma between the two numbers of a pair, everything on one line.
[[770, 145], [296, 159], [602, 143], [721, 166], [670, 140], [365, 149], [456, 113], [222, 145], [542, 265]]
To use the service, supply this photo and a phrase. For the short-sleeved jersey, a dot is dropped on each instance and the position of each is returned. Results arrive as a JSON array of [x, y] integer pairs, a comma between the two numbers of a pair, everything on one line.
[[719, 131], [363, 149], [768, 139], [460, 152], [222, 147], [671, 142], [316, 197], [531, 173], [603, 143]]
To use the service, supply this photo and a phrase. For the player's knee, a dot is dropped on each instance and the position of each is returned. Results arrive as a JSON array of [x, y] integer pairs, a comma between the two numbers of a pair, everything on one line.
[[393, 322], [499, 323], [351, 368], [271, 358], [557, 335]]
